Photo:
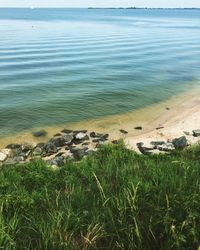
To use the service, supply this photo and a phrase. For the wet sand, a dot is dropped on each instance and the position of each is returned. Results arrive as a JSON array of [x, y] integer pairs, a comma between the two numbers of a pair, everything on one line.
[[174, 116]]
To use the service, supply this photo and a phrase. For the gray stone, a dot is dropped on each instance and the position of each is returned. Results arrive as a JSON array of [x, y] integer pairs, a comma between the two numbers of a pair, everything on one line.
[[196, 132], [40, 133], [50, 148], [3, 157], [75, 132], [100, 144], [57, 161], [180, 143], [68, 139], [14, 160], [6, 151], [99, 135], [40, 145], [167, 147], [157, 143], [81, 136], [37, 151], [79, 153], [144, 150]]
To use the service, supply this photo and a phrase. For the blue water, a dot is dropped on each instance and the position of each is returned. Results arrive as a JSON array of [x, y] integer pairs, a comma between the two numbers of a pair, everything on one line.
[[68, 65]]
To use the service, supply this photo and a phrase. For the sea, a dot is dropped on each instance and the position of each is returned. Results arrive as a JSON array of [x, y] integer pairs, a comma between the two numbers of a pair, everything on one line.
[[60, 66]]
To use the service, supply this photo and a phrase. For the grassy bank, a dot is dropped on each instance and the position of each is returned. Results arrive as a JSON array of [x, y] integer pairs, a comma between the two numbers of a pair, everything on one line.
[[114, 200]]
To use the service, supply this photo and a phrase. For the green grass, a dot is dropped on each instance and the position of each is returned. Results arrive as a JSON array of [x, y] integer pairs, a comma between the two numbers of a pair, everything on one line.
[[114, 200]]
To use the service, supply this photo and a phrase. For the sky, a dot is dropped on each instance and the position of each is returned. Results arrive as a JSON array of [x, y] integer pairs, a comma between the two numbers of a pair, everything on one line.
[[100, 3]]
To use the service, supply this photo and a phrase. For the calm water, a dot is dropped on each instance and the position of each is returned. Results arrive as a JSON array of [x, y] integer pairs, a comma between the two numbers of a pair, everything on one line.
[[67, 65]]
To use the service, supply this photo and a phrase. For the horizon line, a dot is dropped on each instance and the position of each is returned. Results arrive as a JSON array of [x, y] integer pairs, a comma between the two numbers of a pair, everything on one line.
[[92, 7]]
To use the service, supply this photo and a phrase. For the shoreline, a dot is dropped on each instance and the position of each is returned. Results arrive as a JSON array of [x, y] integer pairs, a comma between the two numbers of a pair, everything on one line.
[[174, 116]]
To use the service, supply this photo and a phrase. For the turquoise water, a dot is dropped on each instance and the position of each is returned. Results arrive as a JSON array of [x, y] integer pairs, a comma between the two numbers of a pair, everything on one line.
[[68, 65]]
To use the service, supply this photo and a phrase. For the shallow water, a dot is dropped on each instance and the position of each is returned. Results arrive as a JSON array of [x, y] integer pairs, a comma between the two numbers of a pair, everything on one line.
[[68, 65]]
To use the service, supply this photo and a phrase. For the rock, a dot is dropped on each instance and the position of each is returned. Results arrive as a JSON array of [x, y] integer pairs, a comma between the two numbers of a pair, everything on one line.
[[67, 131], [79, 153], [123, 131], [144, 150], [57, 161], [167, 108], [37, 151], [93, 135], [167, 147], [157, 143], [161, 127], [96, 140], [196, 132], [138, 128], [3, 157], [68, 139], [186, 133], [26, 149], [86, 144], [75, 132], [115, 142], [15, 160], [60, 154], [40, 145], [6, 151], [40, 133], [58, 134], [91, 152], [50, 148], [13, 146], [98, 135], [81, 136], [15, 149], [100, 144], [180, 143], [58, 142]]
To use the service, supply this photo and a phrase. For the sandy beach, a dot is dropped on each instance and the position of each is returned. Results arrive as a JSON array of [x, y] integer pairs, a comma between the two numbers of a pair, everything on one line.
[[162, 121]]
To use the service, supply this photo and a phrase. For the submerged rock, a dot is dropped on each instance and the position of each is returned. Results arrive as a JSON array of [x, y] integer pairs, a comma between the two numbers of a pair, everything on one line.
[[40, 133], [180, 143]]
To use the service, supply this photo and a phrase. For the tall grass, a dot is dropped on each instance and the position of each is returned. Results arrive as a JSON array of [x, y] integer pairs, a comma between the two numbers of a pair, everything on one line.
[[114, 200]]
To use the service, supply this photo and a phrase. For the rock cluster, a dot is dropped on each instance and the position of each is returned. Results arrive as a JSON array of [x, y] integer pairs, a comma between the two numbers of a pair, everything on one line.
[[65, 145], [163, 146], [70, 144]]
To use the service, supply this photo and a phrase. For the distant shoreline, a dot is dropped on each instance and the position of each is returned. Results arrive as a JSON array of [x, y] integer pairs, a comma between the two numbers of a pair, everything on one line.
[[103, 8], [142, 8]]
